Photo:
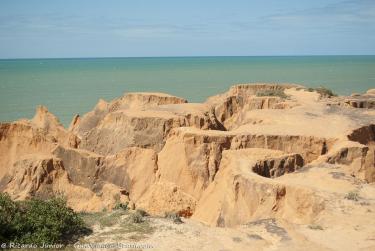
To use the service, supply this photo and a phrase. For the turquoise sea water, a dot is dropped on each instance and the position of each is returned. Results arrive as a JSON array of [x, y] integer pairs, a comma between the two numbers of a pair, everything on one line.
[[70, 86]]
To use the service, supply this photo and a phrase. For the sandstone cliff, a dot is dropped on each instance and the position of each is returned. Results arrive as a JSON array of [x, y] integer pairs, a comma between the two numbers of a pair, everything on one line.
[[244, 155]]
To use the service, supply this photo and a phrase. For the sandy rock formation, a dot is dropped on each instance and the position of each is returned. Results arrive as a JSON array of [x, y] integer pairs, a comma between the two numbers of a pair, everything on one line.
[[45, 176], [91, 119], [33, 176], [138, 101], [361, 101], [81, 165], [197, 161], [130, 128], [163, 197], [365, 167], [276, 166], [40, 135], [238, 195], [144, 100], [30, 167], [229, 106], [142, 120], [132, 170], [238, 157], [309, 147]]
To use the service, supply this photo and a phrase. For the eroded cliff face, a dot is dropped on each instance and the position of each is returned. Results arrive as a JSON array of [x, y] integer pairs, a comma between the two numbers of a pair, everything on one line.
[[248, 154], [240, 195], [142, 120], [37, 136]]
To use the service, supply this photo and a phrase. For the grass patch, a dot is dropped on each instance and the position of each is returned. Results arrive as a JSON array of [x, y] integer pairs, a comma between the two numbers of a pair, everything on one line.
[[323, 91], [110, 219], [91, 219], [272, 93], [353, 195], [133, 226], [174, 217], [140, 230], [143, 228], [103, 219]]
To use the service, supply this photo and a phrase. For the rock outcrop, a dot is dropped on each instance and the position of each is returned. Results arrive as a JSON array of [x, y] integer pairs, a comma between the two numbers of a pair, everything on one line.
[[229, 106], [248, 154], [366, 101], [238, 195], [141, 120]]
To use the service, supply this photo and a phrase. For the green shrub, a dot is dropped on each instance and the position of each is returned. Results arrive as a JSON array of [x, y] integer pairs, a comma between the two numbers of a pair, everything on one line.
[[353, 195], [142, 212], [136, 218], [272, 93], [123, 206], [9, 212], [173, 216], [37, 222], [323, 91]]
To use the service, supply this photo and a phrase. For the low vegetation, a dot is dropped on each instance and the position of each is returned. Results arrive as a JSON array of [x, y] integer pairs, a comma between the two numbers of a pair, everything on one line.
[[237, 239], [315, 227], [174, 217], [122, 206], [272, 93], [141, 212], [353, 195], [323, 91], [118, 224], [39, 222], [136, 217]]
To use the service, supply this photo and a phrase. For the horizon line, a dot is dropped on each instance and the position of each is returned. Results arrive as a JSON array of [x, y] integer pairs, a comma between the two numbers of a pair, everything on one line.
[[209, 56]]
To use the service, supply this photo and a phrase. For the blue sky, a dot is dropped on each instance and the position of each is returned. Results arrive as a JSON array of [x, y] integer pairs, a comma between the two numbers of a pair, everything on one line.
[[122, 28]]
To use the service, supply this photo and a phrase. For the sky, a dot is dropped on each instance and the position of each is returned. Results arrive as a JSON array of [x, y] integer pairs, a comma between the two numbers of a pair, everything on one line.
[[147, 28]]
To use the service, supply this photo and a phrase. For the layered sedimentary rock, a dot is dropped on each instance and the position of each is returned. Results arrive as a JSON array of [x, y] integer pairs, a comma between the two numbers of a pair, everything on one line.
[[247, 154], [140, 120], [136, 101], [239, 195], [39, 135], [365, 101], [33, 176], [197, 161], [230, 105], [45, 177]]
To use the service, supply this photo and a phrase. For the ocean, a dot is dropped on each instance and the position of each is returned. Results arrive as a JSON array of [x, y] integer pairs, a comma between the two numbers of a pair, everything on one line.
[[71, 86]]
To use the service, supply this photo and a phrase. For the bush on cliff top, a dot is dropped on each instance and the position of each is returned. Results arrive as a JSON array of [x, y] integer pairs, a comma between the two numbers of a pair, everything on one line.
[[323, 91], [272, 93], [36, 221]]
